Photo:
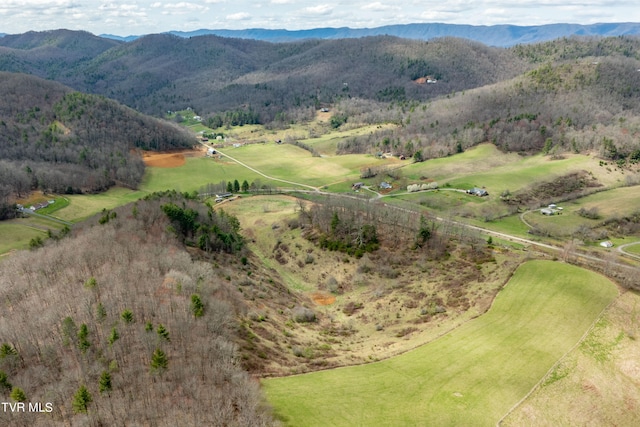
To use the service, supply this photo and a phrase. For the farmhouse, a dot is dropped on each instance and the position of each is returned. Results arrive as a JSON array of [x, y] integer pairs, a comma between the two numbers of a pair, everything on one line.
[[357, 186], [385, 185], [480, 192], [552, 209], [606, 244]]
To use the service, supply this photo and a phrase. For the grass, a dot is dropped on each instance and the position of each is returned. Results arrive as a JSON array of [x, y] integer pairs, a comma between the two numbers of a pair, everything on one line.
[[59, 203], [471, 375], [286, 161], [82, 206], [615, 202], [197, 172], [256, 215], [596, 383], [486, 166], [16, 234], [634, 249]]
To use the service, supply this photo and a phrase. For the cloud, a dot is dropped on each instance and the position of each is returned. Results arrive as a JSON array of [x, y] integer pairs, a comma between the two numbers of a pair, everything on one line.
[[184, 7], [379, 7], [321, 9], [240, 16]]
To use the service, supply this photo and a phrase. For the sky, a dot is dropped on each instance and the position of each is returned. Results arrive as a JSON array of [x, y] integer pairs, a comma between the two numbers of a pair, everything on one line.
[[125, 17]]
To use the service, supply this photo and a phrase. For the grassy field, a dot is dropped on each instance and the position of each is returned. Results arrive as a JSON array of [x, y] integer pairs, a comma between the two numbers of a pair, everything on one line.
[[472, 375], [286, 161], [16, 234], [615, 202], [197, 172], [596, 384], [486, 166], [82, 206], [635, 249]]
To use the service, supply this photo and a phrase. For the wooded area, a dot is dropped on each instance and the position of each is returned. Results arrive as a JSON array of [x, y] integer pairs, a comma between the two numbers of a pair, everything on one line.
[[60, 141], [117, 323]]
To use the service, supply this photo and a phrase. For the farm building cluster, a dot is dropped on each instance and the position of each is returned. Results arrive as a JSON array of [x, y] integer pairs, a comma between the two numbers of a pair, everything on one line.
[[480, 192], [552, 209]]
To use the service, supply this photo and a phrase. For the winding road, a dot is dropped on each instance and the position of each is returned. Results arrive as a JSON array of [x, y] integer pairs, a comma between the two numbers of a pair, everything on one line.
[[488, 232]]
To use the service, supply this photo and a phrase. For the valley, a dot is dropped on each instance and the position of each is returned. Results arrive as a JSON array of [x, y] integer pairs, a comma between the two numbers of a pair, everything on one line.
[[388, 258]]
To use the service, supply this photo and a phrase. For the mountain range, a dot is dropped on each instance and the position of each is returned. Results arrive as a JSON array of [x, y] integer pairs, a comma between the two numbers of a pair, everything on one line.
[[493, 35]]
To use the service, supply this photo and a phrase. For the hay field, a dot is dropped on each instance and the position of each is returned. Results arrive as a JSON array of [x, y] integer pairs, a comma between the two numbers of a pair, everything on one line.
[[472, 375]]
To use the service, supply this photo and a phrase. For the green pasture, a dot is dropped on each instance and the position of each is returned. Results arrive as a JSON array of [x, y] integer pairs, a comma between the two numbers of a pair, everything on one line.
[[196, 172], [82, 206], [441, 200], [615, 202], [17, 233], [59, 202], [470, 376], [485, 166], [511, 225], [288, 162], [633, 249]]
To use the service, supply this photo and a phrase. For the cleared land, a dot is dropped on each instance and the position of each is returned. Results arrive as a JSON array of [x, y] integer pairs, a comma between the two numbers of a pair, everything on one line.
[[595, 384], [16, 235], [286, 161], [473, 374]]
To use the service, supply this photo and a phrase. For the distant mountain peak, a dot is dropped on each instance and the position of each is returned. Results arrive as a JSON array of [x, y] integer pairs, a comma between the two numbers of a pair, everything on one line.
[[492, 35]]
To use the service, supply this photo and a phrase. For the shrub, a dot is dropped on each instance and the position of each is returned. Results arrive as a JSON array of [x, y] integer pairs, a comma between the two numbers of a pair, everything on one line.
[[303, 314], [591, 213], [352, 307]]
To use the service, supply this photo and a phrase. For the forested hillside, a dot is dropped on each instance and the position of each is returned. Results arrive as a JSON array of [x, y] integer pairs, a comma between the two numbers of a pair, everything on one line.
[[58, 140], [115, 324], [213, 74], [50, 54], [281, 81], [582, 96]]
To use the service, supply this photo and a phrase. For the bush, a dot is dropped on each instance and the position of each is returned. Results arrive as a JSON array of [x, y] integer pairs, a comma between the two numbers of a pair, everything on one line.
[[591, 213], [303, 314], [352, 307]]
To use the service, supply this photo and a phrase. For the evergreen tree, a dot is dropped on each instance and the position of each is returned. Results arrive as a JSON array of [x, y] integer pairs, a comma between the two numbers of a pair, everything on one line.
[[83, 341], [113, 336], [424, 233], [7, 350], [245, 186], [105, 382], [159, 361], [148, 327], [17, 394], [4, 381], [127, 316], [163, 333], [197, 306], [81, 400], [236, 186], [229, 187], [91, 283], [101, 312]]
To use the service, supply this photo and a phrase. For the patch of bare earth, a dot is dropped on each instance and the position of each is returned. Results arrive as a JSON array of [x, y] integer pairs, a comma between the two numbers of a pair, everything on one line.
[[171, 159]]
